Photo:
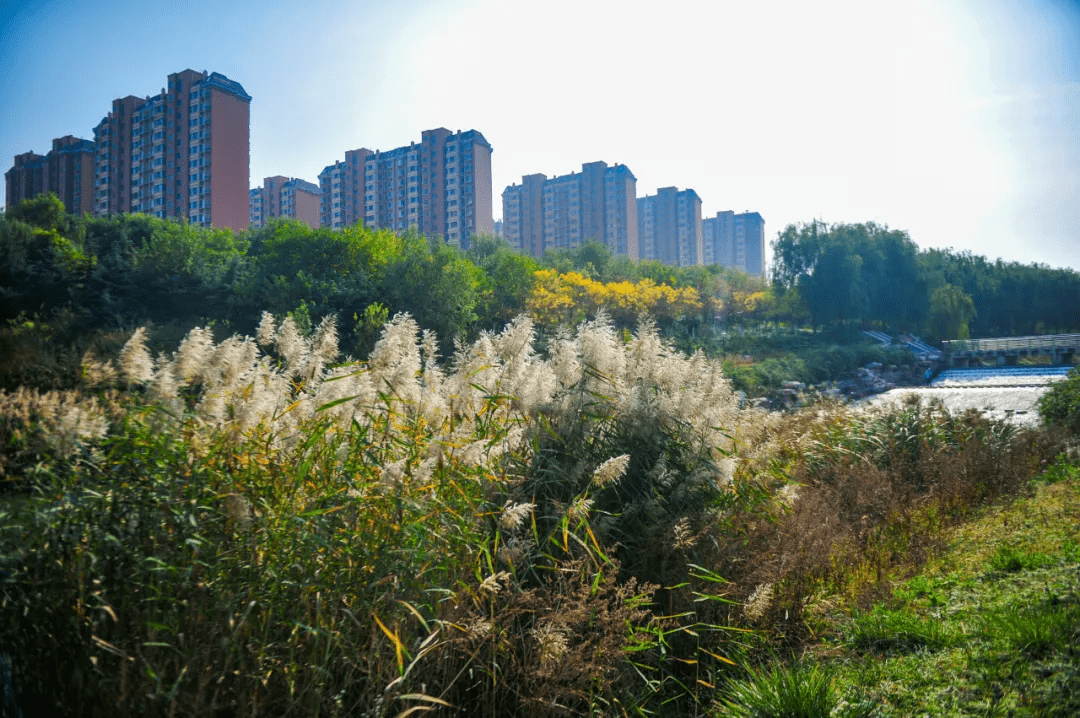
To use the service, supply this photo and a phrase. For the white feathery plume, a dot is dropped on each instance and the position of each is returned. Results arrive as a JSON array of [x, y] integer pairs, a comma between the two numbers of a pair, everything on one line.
[[228, 361], [267, 332], [551, 644], [564, 359], [394, 474], [611, 470], [788, 495], [602, 351], [97, 373], [429, 346], [324, 347], [491, 583], [70, 421], [514, 515], [193, 354], [422, 473], [683, 536], [395, 360], [165, 385], [291, 346], [758, 602], [579, 510], [135, 361]]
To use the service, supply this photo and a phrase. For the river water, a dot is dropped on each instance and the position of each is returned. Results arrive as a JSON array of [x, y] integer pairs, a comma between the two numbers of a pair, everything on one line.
[[1009, 393]]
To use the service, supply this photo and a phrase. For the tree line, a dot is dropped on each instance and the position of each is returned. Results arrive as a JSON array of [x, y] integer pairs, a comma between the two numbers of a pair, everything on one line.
[[121, 271], [877, 276]]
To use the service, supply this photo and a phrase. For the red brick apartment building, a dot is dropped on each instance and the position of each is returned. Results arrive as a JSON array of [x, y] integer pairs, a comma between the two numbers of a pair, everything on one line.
[[342, 185], [67, 171], [669, 227], [735, 240], [597, 204], [183, 153], [441, 186], [285, 197]]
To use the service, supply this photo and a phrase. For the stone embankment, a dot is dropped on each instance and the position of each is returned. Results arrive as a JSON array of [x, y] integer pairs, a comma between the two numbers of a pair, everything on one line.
[[866, 381]]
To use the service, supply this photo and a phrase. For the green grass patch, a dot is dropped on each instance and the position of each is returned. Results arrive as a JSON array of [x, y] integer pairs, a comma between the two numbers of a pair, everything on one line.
[[991, 627], [1011, 559], [789, 692], [898, 631], [1036, 630]]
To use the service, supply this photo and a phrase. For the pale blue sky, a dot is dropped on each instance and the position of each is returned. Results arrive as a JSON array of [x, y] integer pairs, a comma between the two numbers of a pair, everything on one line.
[[956, 120]]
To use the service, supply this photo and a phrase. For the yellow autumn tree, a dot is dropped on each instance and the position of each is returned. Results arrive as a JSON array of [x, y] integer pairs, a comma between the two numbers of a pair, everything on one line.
[[571, 297]]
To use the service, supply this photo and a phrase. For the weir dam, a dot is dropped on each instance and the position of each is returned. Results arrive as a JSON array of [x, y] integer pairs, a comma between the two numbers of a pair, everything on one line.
[[1010, 393]]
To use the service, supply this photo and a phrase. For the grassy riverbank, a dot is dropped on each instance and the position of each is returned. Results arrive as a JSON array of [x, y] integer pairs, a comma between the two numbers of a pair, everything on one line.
[[246, 527], [991, 626]]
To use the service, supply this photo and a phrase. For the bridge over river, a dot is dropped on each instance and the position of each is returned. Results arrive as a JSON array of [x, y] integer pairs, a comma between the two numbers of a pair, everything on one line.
[[1061, 348]]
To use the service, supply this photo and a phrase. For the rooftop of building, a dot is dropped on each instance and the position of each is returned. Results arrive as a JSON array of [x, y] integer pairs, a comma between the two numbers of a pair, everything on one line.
[[216, 79], [79, 145], [297, 183]]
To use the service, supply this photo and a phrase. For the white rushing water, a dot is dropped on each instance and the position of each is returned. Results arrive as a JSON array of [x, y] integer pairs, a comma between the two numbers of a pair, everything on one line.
[[1008, 393], [1001, 376]]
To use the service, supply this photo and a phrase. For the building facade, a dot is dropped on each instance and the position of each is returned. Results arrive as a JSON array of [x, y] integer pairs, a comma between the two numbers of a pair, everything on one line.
[[562, 212], [441, 186], [620, 212], [285, 197], [718, 239], [736, 240], [750, 242], [67, 171], [25, 179], [342, 185], [184, 153], [669, 227], [523, 215], [597, 204]]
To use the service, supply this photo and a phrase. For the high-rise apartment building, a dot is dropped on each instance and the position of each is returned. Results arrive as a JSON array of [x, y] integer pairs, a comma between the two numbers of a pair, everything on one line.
[[736, 240], [441, 186], [183, 153], [285, 197], [718, 239], [67, 171], [523, 215], [669, 227], [750, 242], [597, 204], [25, 179], [342, 185], [562, 212], [112, 169], [620, 212]]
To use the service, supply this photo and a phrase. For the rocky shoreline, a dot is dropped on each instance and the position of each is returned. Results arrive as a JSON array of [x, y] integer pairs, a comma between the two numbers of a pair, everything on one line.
[[866, 381]]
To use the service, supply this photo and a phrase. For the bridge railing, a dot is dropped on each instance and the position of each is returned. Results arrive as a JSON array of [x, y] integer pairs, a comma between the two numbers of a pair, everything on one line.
[[1046, 341]]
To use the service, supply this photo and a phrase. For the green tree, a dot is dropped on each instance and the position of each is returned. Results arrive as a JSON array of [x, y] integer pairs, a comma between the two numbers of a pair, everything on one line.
[[1060, 406], [43, 262], [436, 284], [508, 279], [848, 272], [951, 309]]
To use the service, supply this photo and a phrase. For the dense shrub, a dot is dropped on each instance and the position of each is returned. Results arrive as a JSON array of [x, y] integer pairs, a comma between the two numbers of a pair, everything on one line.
[[1061, 405], [871, 493], [266, 531]]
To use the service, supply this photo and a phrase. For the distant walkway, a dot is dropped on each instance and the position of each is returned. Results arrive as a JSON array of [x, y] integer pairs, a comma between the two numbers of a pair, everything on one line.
[[1061, 348], [917, 346]]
